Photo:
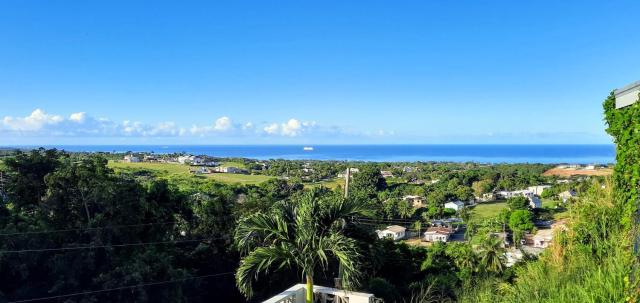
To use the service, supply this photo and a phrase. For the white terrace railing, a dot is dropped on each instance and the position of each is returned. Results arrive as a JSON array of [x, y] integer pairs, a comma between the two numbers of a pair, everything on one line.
[[296, 294]]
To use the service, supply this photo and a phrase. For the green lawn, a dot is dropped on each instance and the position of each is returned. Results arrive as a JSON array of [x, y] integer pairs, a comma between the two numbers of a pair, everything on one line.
[[233, 164], [239, 178], [486, 210], [558, 214], [174, 168], [162, 168], [332, 184]]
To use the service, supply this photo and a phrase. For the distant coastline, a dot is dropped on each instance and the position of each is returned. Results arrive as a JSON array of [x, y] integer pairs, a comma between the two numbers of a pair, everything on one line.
[[490, 153]]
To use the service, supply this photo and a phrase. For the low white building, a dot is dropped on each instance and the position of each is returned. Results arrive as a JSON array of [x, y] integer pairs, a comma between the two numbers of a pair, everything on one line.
[[543, 238], [538, 189], [437, 234], [185, 159], [394, 232], [131, 159], [455, 205], [386, 174], [228, 170]]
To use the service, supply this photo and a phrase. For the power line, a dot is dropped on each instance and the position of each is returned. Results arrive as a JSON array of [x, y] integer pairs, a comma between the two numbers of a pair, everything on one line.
[[105, 246], [385, 220], [121, 288], [85, 229]]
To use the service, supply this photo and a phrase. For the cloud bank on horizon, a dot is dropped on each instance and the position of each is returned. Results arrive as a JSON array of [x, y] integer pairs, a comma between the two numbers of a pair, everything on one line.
[[42, 127], [42, 124]]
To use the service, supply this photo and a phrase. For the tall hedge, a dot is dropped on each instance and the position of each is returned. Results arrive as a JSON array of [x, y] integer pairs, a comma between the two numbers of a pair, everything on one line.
[[624, 126]]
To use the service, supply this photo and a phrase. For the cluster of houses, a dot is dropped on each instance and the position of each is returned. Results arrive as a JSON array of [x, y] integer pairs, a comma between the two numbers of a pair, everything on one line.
[[578, 166], [206, 165], [184, 159], [419, 202], [532, 193], [432, 234], [439, 231]]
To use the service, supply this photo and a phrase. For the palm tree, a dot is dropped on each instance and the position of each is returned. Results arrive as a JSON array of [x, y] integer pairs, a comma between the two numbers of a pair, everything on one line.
[[303, 233], [492, 254]]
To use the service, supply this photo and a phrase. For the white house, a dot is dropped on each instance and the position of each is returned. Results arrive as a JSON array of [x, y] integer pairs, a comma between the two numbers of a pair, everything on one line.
[[228, 170], [566, 195], [543, 238], [395, 232], [437, 234], [416, 201], [386, 174], [131, 159], [455, 205], [185, 159], [538, 189]]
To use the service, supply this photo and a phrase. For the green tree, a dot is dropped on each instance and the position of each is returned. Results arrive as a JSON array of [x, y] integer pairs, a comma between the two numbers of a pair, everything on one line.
[[367, 182], [464, 193], [303, 232], [405, 209], [390, 207], [481, 187], [492, 255], [520, 221], [518, 203]]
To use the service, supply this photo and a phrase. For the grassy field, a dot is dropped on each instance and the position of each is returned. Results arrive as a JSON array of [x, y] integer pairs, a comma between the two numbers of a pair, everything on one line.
[[170, 168], [233, 164], [332, 184], [491, 209], [558, 214], [486, 210]]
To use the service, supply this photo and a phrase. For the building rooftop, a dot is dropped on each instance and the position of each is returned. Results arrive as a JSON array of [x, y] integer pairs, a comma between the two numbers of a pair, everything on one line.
[[627, 95], [396, 228], [296, 294]]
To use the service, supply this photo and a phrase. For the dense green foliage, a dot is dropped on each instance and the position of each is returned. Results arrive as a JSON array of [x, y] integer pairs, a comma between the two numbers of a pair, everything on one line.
[[592, 261], [68, 222], [624, 126]]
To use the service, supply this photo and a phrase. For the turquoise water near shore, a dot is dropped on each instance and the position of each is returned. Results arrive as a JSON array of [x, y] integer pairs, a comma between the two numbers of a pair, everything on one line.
[[600, 154]]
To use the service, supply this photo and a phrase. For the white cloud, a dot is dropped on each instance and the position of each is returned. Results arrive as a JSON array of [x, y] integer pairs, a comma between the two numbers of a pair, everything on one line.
[[291, 128], [82, 124], [78, 117], [271, 129], [223, 124], [34, 122]]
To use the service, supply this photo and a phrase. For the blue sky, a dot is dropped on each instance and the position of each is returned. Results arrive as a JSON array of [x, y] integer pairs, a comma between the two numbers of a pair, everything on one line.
[[312, 72]]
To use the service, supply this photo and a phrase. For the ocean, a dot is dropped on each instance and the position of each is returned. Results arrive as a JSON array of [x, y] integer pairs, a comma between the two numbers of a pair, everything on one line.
[[578, 154]]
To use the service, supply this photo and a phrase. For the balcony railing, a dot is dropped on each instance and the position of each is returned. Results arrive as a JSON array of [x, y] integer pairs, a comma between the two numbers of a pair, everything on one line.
[[296, 294]]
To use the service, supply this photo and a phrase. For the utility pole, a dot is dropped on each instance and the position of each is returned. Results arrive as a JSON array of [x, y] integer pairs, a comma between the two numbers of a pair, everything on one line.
[[338, 281], [347, 176], [3, 181]]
